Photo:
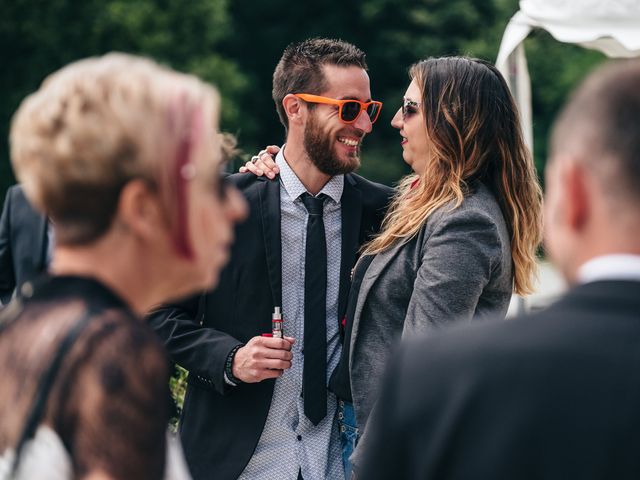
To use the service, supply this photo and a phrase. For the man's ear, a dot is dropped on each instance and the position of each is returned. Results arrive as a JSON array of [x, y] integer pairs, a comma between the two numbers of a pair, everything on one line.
[[294, 109], [139, 210], [577, 195]]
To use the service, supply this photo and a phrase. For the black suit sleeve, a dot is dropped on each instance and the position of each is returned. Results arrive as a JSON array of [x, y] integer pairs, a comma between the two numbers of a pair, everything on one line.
[[438, 404], [200, 332], [7, 275], [200, 350]]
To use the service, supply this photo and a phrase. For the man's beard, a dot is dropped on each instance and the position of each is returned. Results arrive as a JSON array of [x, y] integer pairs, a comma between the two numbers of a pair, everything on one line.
[[319, 147]]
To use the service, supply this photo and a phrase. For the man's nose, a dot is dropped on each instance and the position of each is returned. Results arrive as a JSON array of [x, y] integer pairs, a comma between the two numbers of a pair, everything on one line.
[[363, 122]]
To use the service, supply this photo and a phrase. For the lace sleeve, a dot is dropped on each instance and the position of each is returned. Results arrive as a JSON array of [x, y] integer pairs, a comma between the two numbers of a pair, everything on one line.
[[111, 405]]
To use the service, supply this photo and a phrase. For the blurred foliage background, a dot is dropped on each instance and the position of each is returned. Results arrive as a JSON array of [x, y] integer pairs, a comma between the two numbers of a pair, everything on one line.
[[236, 45]]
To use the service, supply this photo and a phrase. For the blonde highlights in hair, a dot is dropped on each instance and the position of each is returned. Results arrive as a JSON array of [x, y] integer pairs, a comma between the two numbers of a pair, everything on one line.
[[98, 123], [474, 135]]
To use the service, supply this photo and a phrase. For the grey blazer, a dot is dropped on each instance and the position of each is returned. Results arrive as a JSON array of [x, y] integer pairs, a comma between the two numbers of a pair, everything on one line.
[[458, 267]]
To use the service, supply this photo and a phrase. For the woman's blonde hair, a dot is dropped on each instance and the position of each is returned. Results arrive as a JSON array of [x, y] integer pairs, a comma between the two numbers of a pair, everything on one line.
[[98, 123], [474, 134]]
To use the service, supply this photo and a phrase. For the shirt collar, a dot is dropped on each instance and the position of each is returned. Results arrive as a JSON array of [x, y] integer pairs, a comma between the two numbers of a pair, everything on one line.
[[294, 187], [610, 267]]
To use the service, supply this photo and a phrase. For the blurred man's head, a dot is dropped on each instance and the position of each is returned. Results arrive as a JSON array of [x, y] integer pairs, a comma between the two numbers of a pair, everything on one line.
[[330, 133], [120, 149], [593, 175]]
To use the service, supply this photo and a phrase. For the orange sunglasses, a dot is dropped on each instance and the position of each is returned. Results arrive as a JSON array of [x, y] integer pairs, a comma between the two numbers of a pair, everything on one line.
[[348, 110]]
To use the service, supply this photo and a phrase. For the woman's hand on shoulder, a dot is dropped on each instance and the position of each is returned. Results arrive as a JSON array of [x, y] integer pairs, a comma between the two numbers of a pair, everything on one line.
[[263, 163]]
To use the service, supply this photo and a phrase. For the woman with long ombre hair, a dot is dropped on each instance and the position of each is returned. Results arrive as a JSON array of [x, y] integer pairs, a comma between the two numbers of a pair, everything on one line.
[[476, 139], [460, 235]]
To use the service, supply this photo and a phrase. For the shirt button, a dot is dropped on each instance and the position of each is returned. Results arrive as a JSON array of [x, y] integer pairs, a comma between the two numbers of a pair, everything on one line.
[[299, 437], [340, 415], [343, 428]]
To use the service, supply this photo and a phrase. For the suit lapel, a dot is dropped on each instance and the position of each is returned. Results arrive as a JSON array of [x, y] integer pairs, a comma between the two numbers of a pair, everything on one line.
[[33, 239], [351, 209], [270, 213], [41, 241]]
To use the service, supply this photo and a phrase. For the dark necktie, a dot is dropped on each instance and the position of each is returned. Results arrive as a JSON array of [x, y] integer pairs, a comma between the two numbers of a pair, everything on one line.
[[315, 313]]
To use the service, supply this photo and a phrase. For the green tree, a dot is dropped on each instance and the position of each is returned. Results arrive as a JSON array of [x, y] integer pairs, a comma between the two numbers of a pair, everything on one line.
[[555, 69], [236, 44], [393, 33], [38, 37]]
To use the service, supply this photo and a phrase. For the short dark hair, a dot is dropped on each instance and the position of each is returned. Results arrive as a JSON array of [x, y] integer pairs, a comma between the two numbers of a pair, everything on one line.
[[600, 123], [300, 68]]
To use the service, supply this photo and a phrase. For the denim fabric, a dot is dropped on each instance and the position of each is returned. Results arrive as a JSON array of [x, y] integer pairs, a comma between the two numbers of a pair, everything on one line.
[[348, 434]]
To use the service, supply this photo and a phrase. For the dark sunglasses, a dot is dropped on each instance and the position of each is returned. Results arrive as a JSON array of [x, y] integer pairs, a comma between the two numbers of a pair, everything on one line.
[[409, 107], [348, 110]]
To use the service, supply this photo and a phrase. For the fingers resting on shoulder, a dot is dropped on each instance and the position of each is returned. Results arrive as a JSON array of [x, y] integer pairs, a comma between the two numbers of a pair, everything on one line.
[[263, 163]]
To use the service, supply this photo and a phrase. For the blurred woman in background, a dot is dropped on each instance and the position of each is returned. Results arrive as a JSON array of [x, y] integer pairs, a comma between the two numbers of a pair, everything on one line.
[[124, 157]]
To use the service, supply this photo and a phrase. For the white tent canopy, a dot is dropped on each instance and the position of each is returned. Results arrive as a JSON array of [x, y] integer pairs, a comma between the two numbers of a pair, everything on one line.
[[611, 26]]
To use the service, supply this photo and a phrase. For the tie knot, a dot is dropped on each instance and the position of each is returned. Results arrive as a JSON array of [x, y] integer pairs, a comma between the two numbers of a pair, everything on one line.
[[313, 204]]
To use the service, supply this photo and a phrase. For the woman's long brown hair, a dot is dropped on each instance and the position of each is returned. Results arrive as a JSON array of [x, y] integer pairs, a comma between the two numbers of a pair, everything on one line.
[[474, 134]]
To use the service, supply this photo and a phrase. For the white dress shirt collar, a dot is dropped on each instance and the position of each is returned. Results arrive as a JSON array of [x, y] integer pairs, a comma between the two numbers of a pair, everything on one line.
[[294, 187], [610, 267]]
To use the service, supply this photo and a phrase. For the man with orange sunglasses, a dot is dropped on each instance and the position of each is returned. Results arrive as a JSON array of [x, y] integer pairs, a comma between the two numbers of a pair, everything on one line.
[[257, 406]]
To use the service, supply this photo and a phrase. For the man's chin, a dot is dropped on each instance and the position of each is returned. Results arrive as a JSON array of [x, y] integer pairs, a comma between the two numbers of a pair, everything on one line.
[[333, 161], [341, 168], [352, 163], [346, 162]]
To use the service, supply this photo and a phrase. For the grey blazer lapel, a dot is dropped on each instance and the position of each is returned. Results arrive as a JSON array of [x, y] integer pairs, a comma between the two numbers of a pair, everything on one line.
[[270, 214], [378, 264]]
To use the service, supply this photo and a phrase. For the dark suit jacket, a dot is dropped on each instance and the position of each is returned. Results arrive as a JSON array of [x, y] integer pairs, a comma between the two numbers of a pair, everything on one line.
[[23, 242], [555, 395], [221, 426]]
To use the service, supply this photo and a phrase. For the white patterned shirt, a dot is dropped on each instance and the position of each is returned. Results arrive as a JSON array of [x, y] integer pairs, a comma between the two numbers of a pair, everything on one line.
[[290, 443]]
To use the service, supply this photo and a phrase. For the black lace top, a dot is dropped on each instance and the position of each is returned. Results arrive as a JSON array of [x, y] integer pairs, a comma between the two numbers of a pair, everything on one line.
[[108, 402]]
